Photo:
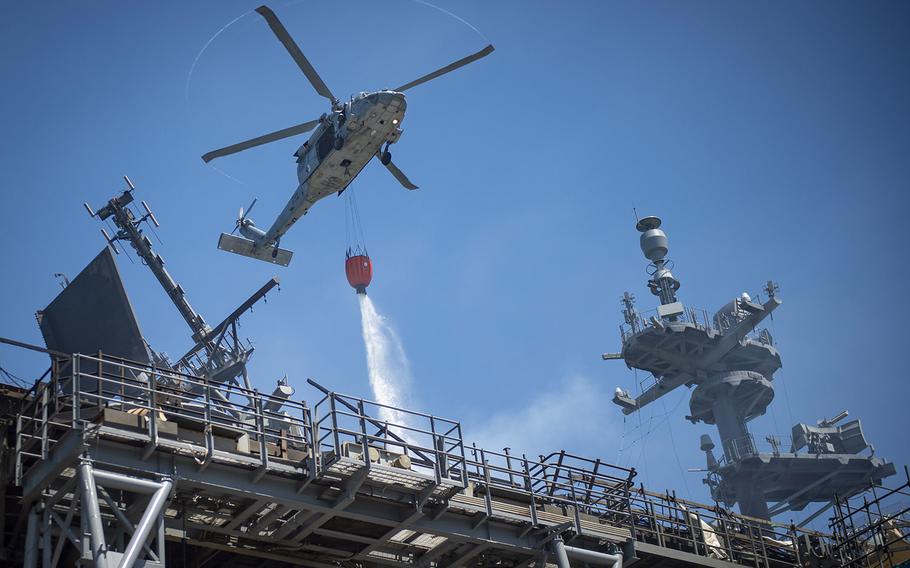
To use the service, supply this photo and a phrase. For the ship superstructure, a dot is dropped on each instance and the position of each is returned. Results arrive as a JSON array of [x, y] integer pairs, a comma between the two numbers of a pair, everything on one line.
[[729, 363]]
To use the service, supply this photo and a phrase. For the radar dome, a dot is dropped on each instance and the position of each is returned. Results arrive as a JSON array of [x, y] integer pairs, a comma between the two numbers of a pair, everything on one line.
[[707, 444], [653, 240]]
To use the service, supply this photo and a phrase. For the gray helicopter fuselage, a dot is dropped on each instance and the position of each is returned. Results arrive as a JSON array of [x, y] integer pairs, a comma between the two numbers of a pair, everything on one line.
[[363, 124]]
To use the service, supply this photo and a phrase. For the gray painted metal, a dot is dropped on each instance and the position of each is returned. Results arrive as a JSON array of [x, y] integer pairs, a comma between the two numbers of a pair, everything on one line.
[[91, 515], [218, 352], [152, 516], [248, 247], [559, 551], [344, 140], [339, 506], [731, 365], [128, 225], [31, 539], [94, 314], [594, 558]]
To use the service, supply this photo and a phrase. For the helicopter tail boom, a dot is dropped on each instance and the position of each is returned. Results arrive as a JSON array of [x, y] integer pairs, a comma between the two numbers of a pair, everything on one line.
[[249, 248]]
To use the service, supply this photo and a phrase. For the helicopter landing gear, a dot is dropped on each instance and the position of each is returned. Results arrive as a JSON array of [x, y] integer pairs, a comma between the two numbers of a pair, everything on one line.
[[275, 250], [339, 142], [385, 157]]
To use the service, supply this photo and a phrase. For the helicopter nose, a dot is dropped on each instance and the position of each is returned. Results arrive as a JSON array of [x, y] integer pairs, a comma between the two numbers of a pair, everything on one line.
[[392, 99]]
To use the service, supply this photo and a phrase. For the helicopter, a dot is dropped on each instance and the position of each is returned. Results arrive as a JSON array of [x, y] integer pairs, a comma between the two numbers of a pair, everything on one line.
[[343, 141]]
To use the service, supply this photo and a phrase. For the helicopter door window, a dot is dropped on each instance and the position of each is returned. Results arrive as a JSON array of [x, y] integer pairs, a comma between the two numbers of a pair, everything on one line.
[[326, 142]]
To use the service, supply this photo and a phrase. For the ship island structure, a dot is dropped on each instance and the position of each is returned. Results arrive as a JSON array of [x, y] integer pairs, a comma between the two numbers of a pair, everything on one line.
[[116, 455]]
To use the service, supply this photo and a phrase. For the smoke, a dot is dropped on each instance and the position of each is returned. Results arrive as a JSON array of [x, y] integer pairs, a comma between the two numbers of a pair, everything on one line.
[[390, 373], [575, 414]]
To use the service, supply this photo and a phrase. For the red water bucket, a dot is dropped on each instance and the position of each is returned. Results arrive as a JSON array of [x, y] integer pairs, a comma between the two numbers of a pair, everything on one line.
[[359, 271]]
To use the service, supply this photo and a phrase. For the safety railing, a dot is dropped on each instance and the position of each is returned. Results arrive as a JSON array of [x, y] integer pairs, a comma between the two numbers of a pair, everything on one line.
[[591, 491], [669, 521], [642, 320], [82, 387], [749, 446], [563, 483], [718, 323], [431, 444]]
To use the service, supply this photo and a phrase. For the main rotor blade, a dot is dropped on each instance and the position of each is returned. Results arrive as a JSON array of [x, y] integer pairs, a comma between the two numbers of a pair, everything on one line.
[[399, 175], [450, 67], [258, 141], [285, 38]]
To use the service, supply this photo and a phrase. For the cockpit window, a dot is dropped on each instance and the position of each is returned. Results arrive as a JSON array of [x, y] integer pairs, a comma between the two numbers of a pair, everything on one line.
[[326, 141]]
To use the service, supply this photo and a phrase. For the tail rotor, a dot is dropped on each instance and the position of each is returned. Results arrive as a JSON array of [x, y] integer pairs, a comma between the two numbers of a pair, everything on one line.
[[242, 216]]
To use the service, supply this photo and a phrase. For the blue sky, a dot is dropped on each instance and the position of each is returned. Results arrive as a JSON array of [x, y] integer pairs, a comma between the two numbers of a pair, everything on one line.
[[772, 138]]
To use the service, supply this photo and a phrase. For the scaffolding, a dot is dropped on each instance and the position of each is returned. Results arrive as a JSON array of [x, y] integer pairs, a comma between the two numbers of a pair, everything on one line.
[[872, 529]]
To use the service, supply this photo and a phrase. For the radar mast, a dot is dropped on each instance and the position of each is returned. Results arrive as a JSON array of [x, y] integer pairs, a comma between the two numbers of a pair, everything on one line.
[[730, 363]]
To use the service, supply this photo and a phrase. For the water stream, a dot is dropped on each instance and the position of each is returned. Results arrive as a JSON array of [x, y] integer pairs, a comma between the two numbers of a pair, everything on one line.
[[390, 374]]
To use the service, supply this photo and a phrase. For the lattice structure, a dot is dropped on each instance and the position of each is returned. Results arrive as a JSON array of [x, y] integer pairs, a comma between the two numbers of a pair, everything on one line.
[[873, 529]]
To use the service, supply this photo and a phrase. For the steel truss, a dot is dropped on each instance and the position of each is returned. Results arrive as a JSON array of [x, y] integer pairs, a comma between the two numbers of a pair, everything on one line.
[[101, 540], [872, 529]]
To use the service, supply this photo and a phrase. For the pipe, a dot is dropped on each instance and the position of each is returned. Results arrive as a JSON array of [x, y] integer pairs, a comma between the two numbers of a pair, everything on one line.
[[559, 550], [31, 538], [122, 519], [149, 518], [90, 510], [594, 558], [117, 481]]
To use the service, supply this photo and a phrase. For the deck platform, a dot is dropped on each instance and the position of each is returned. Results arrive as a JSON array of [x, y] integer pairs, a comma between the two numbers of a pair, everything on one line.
[[130, 461]]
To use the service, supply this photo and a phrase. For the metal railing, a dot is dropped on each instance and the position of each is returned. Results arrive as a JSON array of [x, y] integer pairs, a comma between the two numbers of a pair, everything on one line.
[[431, 443], [82, 387], [719, 323], [588, 493], [873, 528], [749, 446], [669, 521]]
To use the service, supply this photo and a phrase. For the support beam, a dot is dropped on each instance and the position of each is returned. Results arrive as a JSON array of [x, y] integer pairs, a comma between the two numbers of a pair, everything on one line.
[[784, 505], [48, 470], [31, 538], [594, 558], [351, 537], [262, 524], [152, 517], [92, 515], [390, 533], [239, 519], [471, 552], [220, 479], [352, 486], [121, 518], [178, 537], [559, 551], [815, 515], [434, 553]]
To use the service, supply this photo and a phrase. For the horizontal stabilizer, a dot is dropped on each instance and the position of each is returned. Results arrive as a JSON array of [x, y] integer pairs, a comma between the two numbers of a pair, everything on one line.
[[245, 247]]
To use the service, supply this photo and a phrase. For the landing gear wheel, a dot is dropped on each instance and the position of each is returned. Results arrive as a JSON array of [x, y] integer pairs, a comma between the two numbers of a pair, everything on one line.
[[385, 158], [339, 143]]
